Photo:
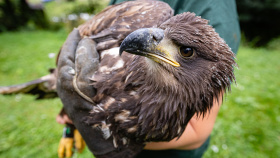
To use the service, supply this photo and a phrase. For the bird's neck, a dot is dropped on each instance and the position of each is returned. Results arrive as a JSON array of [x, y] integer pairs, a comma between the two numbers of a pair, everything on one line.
[[161, 100]]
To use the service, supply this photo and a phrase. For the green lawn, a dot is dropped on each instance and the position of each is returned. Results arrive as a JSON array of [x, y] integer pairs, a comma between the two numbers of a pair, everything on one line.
[[248, 124], [28, 127]]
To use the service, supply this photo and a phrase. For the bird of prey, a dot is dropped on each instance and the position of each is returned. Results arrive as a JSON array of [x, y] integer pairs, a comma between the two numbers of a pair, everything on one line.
[[135, 73], [164, 76]]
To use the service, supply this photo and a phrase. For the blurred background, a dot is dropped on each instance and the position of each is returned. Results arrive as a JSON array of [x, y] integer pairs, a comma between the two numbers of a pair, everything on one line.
[[32, 32]]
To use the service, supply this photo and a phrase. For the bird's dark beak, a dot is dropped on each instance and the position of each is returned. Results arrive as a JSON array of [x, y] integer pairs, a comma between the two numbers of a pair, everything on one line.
[[145, 42]]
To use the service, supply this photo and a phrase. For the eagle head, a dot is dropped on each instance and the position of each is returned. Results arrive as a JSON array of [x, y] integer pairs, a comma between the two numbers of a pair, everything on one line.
[[185, 61]]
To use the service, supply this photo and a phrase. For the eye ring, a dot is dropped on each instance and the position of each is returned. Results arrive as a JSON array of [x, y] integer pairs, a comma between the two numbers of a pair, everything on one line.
[[186, 52]]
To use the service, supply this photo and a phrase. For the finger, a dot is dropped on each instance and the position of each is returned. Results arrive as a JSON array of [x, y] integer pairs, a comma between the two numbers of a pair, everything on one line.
[[67, 119], [60, 120]]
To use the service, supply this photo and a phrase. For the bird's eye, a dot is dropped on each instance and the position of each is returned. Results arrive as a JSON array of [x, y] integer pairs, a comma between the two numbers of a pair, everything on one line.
[[186, 52]]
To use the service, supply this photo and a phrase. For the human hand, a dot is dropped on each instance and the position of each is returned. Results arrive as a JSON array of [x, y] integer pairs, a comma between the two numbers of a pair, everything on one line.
[[63, 118]]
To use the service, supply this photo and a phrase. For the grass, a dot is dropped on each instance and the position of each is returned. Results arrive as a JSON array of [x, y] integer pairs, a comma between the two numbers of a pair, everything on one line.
[[247, 125], [28, 127]]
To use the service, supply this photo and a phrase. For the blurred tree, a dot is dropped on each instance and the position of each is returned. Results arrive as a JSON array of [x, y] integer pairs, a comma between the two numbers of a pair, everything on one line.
[[17, 13], [259, 20], [91, 7]]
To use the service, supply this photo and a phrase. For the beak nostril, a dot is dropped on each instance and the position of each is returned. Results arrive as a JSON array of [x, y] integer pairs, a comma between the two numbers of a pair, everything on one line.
[[157, 35], [155, 39]]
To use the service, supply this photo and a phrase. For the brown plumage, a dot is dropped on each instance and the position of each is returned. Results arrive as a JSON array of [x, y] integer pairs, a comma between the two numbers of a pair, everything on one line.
[[164, 76], [108, 29], [114, 23], [117, 22]]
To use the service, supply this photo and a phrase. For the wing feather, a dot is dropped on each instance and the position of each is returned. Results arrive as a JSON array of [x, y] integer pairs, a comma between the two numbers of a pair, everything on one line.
[[117, 21], [44, 87]]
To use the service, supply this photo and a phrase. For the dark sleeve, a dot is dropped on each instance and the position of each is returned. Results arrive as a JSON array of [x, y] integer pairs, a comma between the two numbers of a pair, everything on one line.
[[196, 153], [222, 15]]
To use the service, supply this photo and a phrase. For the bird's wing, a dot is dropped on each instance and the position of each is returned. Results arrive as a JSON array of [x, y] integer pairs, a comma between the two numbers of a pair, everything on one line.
[[107, 29], [112, 25], [43, 87]]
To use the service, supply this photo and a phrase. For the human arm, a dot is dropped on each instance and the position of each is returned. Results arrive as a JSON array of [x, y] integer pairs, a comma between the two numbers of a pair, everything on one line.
[[195, 134]]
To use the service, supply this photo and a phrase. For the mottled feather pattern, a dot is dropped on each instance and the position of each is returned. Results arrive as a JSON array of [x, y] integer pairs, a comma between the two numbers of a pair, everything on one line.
[[139, 99], [159, 112], [122, 19]]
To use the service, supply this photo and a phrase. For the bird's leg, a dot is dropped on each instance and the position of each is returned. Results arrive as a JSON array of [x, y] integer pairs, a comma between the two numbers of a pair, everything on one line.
[[70, 137], [66, 142]]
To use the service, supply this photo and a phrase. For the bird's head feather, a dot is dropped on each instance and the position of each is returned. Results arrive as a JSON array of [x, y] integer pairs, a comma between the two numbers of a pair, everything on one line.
[[185, 53]]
